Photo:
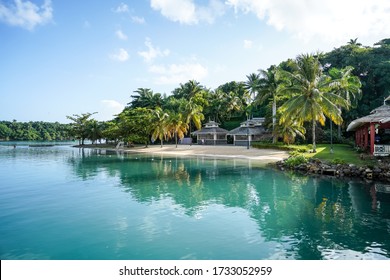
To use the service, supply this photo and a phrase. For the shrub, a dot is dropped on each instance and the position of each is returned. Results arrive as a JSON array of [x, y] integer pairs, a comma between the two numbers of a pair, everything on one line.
[[338, 161], [295, 153], [293, 161]]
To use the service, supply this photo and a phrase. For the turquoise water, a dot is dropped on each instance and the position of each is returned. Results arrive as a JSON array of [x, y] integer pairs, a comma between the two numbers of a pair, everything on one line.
[[67, 203]]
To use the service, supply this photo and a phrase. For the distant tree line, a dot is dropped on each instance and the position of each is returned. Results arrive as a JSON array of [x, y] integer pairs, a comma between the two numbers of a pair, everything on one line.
[[34, 131]]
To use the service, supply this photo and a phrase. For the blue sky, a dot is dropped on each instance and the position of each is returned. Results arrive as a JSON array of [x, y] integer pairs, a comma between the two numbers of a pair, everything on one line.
[[60, 58]]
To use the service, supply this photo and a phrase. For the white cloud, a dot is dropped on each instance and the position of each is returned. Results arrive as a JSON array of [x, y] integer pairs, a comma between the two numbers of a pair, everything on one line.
[[121, 35], [152, 52], [174, 74], [139, 20], [331, 20], [248, 44], [26, 14], [121, 55], [112, 104], [186, 12], [109, 108], [122, 8]]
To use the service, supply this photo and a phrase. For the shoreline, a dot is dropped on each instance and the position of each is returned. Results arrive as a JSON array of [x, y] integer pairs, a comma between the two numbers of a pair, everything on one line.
[[265, 156]]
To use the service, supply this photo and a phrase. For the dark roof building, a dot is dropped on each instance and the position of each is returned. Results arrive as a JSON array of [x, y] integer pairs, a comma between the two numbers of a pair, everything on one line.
[[250, 130], [211, 134]]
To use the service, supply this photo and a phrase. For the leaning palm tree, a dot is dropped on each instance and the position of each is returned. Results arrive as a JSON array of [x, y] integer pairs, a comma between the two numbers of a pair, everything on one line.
[[311, 96], [267, 91], [289, 130], [160, 130], [347, 86]]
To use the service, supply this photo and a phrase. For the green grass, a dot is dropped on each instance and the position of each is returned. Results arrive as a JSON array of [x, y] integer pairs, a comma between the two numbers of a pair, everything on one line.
[[342, 153]]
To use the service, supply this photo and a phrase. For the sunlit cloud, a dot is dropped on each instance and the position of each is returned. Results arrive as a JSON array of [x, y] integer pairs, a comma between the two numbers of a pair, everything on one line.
[[139, 20], [122, 8], [331, 20], [187, 12], [121, 55], [152, 52], [174, 74], [119, 33], [109, 108], [26, 14]]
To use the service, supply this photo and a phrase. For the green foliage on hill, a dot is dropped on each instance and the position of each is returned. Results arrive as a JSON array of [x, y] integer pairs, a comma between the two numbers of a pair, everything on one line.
[[34, 131]]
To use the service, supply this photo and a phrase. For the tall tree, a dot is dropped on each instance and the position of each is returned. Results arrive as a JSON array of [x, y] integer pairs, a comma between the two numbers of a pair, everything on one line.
[[146, 98], [80, 125], [177, 125], [311, 97], [160, 127], [193, 113], [347, 86], [267, 92]]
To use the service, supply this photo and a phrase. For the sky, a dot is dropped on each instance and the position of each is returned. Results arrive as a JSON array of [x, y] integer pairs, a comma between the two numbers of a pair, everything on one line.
[[59, 58]]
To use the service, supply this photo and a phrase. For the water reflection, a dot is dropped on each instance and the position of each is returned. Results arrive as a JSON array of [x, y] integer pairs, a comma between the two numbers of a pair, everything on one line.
[[304, 217]]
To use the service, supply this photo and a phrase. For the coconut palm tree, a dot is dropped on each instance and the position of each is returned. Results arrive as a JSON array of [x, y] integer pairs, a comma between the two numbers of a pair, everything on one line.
[[193, 113], [160, 127], [146, 98], [347, 86], [177, 125], [267, 91], [289, 130], [252, 86], [311, 95]]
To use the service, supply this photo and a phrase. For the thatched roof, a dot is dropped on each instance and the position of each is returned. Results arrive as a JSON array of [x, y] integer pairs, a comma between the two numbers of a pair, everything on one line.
[[378, 115]]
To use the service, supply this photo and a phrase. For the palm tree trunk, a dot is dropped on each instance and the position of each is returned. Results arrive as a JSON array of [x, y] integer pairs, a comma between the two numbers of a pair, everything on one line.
[[176, 138], [339, 131], [339, 127], [314, 135], [273, 121]]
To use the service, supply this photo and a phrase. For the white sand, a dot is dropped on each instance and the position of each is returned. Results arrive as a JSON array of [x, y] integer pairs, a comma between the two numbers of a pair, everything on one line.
[[263, 155]]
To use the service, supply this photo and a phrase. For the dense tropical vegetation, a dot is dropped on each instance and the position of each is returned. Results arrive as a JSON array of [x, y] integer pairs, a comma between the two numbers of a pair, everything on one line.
[[300, 99], [33, 131]]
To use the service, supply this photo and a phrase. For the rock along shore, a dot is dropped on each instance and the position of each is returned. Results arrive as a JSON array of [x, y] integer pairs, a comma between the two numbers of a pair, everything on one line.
[[381, 172]]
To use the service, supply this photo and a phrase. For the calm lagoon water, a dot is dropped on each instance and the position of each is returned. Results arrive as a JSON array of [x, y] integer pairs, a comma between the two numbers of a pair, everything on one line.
[[66, 203]]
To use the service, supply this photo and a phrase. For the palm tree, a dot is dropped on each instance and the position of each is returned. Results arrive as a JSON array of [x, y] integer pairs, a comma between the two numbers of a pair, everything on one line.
[[347, 86], [146, 98], [289, 130], [177, 125], [267, 90], [252, 86], [160, 128], [311, 97], [188, 90], [193, 114]]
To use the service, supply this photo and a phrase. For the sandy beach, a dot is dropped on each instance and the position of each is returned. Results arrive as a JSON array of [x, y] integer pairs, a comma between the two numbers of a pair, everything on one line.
[[262, 155]]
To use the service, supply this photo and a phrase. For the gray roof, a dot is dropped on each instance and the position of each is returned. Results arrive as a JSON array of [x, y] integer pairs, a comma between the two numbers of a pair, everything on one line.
[[211, 130], [378, 115], [243, 130]]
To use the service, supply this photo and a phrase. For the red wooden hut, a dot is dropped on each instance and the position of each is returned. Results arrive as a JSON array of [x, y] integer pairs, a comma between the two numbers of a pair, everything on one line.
[[372, 132]]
